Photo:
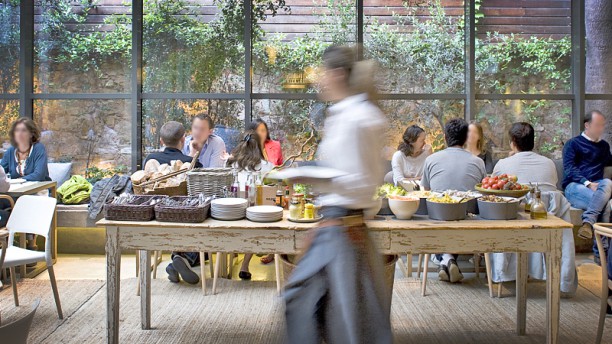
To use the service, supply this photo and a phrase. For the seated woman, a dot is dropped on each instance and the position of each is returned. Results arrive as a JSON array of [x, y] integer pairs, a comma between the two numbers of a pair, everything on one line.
[[248, 157], [272, 152], [409, 160], [475, 144], [26, 158]]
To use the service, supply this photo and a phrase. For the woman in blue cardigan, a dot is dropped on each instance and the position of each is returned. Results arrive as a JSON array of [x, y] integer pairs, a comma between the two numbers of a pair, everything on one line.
[[26, 158]]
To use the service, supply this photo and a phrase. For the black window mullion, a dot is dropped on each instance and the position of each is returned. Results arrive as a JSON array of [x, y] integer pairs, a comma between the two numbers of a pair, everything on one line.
[[578, 65], [26, 59], [136, 71]]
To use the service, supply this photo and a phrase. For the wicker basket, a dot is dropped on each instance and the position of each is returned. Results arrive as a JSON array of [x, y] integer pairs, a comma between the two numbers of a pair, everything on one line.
[[209, 181], [138, 210], [195, 214]]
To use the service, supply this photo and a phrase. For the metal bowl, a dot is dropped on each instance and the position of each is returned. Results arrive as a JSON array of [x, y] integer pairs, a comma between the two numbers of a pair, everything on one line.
[[499, 210], [447, 211]]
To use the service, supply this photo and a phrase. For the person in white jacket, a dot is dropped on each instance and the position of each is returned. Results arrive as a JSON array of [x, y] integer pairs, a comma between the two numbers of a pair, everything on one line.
[[336, 292]]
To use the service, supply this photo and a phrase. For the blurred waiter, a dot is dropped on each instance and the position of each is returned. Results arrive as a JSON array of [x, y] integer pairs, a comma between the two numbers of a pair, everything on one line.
[[337, 292]]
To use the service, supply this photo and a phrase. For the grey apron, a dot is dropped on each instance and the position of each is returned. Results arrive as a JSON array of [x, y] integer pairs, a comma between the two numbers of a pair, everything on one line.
[[337, 291]]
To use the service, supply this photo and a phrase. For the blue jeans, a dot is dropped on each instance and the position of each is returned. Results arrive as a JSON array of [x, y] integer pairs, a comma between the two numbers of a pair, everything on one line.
[[592, 202]]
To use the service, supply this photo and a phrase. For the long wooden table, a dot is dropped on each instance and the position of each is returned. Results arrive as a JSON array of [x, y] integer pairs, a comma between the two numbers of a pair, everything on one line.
[[391, 236], [32, 188]]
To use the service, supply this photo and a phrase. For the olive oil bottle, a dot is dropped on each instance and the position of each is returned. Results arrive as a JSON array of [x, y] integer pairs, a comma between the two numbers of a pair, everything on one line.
[[538, 210]]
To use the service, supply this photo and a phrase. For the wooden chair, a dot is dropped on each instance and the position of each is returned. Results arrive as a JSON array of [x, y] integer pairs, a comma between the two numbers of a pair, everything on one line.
[[17, 331], [603, 230], [424, 260], [22, 221]]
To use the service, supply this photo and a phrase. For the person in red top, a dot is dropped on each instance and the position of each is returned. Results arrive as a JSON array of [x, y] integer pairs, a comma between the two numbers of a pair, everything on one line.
[[271, 149], [272, 153]]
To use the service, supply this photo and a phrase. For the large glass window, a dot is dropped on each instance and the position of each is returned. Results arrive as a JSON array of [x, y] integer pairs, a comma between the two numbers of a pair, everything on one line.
[[287, 47], [9, 46], [419, 45], [551, 120], [228, 116], [523, 47], [79, 48], [88, 133], [192, 48]]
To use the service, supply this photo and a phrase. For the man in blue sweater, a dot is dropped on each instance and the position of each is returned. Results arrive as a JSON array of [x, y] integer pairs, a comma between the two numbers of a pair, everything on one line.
[[584, 160]]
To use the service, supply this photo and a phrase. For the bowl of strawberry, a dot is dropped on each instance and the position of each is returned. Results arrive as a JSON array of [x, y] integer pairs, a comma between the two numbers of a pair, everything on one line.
[[502, 185]]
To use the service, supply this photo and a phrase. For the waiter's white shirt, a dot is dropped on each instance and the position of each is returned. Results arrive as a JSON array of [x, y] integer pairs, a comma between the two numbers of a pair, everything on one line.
[[352, 142]]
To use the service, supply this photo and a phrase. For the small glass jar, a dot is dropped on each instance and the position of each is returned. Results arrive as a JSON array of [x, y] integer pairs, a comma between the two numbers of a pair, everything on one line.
[[309, 211], [295, 209]]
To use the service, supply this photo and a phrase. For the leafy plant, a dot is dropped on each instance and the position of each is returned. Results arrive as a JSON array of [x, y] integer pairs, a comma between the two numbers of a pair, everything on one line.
[[95, 174]]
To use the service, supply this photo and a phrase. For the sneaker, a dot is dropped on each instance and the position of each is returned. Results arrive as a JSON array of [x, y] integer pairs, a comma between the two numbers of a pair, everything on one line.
[[586, 231], [173, 276], [443, 274], [182, 266], [454, 272]]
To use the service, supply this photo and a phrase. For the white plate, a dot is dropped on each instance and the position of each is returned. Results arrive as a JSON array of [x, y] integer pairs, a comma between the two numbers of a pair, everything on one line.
[[307, 172], [16, 181], [228, 202], [265, 209]]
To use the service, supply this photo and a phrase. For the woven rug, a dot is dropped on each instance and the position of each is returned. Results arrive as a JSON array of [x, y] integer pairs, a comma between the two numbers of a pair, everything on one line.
[[73, 296], [250, 312]]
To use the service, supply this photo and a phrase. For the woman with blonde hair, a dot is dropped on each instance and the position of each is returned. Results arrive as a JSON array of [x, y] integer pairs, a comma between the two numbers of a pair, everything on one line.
[[476, 145]]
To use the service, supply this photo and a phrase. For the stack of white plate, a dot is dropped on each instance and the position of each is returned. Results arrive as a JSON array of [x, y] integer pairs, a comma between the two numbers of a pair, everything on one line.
[[264, 213], [228, 208]]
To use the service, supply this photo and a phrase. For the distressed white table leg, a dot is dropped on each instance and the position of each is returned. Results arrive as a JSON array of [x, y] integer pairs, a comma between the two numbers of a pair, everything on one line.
[[216, 275], [278, 272], [425, 270], [145, 290], [203, 272], [113, 271], [521, 293], [553, 284], [489, 277]]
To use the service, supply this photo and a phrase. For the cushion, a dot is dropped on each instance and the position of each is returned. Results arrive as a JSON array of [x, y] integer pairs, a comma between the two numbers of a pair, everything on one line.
[[59, 172]]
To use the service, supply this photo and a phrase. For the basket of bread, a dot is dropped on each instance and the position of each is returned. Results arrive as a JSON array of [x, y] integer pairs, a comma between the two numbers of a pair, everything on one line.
[[162, 179]]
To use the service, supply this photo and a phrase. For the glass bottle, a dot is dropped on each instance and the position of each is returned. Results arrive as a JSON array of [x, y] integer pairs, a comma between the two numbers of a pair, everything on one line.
[[538, 210], [258, 190], [529, 199], [295, 209], [235, 189], [251, 196], [279, 195], [287, 198]]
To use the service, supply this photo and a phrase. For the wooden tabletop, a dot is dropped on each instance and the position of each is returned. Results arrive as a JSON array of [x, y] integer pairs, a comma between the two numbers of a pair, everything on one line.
[[29, 188], [380, 224]]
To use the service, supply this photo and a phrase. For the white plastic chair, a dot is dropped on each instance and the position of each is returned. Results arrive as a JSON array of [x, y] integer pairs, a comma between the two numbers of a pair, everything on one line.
[[603, 230], [32, 215]]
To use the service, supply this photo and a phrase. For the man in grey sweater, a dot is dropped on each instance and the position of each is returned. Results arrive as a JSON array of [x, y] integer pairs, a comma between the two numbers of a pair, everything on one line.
[[453, 168]]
